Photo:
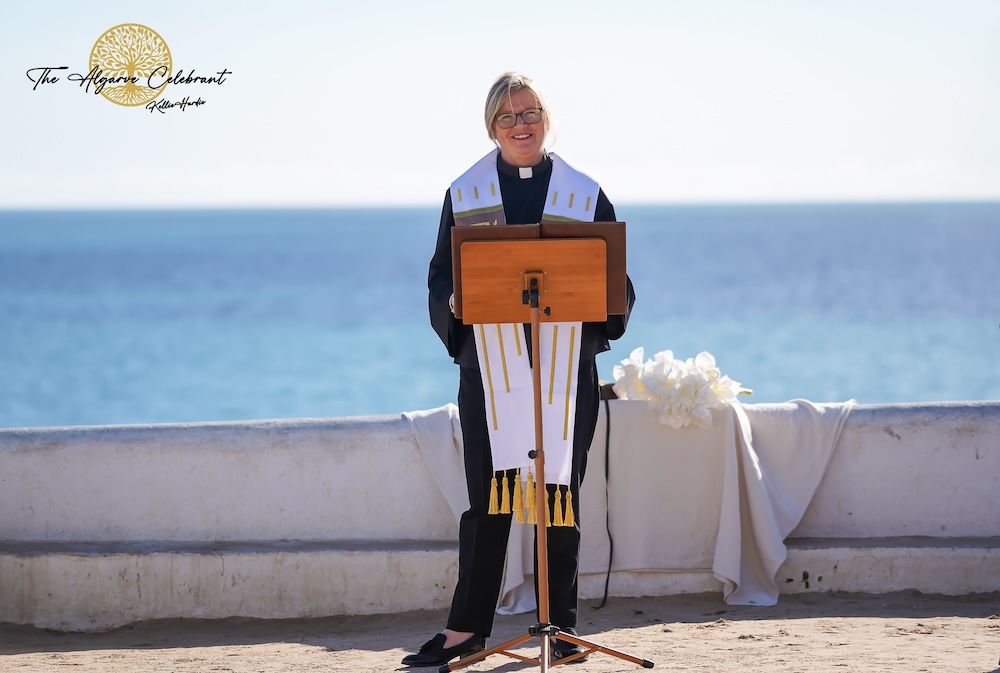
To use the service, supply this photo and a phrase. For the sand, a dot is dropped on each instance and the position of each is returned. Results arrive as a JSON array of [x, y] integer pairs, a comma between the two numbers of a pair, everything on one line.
[[815, 633]]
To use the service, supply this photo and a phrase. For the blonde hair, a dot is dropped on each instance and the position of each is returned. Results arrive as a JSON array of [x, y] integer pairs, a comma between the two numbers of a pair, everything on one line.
[[505, 86]]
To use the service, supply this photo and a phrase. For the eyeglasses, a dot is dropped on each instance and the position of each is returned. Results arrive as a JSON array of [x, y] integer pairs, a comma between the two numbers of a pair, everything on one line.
[[530, 116]]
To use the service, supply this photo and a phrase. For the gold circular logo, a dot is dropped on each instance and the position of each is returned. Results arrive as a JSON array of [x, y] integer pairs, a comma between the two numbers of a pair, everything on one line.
[[135, 62]]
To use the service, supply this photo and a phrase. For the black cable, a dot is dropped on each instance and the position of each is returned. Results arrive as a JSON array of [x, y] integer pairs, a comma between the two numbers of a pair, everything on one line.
[[607, 498]]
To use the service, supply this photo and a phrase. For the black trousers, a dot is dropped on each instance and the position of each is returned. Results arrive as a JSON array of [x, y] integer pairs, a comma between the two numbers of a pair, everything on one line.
[[483, 537]]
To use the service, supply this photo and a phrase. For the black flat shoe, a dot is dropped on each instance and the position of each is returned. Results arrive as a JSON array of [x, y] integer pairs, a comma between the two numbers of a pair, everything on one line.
[[562, 650], [568, 650], [434, 653]]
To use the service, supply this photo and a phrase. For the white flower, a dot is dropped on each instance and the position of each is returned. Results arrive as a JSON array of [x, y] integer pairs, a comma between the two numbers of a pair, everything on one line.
[[680, 392], [628, 377]]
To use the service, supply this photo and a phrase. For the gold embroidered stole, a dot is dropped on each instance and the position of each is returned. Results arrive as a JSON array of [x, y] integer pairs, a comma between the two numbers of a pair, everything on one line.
[[503, 355]]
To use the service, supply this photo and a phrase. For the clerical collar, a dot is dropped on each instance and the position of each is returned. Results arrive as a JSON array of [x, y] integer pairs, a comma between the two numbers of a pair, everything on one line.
[[544, 167]]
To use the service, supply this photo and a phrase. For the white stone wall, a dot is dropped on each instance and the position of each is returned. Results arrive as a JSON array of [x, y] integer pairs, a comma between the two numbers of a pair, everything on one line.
[[898, 470], [333, 479], [103, 526], [911, 469]]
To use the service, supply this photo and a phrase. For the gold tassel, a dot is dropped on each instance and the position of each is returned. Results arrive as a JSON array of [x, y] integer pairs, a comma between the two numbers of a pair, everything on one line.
[[557, 517], [505, 496], [518, 498], [570, 518], [494, 508], [548, 516], [529, 498]]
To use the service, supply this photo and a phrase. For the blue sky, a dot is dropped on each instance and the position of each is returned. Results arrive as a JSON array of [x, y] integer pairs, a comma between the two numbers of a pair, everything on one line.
[[380, 103]]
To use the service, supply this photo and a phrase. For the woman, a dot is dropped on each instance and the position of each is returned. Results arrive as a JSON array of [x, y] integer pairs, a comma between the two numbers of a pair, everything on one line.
[[518, 121]]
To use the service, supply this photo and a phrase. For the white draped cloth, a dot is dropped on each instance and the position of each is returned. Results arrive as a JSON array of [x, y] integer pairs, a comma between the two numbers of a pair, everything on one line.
[[718, 500]]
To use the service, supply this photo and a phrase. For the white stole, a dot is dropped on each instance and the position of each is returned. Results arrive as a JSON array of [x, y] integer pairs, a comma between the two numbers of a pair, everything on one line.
[[501, 349]]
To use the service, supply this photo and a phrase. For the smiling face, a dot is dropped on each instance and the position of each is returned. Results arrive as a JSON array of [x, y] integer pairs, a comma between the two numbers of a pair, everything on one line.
[[522, 144]]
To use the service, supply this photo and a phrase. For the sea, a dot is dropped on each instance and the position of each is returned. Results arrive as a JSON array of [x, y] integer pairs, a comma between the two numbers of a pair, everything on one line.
[[164, 316]]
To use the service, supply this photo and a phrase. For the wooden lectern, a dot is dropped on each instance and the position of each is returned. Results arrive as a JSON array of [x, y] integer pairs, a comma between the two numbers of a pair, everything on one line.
[[558, 272]]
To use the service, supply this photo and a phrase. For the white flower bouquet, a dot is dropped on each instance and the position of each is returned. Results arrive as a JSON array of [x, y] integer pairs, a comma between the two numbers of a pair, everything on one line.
[[681, 392]]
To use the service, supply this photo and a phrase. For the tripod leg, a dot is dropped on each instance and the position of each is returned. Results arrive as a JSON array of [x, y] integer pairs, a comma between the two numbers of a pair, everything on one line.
[[594, 647], [499, 649]]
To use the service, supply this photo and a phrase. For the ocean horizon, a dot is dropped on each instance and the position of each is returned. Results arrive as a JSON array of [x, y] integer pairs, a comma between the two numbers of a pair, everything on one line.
[[163, 316]]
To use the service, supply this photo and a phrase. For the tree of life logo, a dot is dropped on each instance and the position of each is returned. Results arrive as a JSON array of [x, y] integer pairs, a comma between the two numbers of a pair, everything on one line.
[[129, 55]]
